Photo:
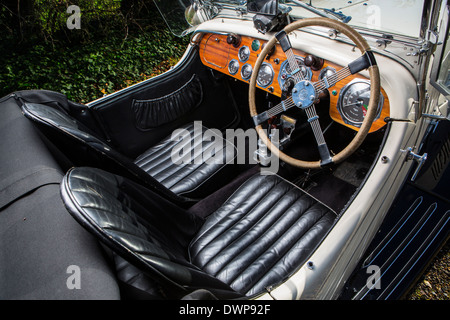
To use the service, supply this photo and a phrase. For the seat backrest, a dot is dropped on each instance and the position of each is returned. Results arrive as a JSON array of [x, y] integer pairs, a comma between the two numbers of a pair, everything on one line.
[[84, 148], [39, 240], [140, 226]]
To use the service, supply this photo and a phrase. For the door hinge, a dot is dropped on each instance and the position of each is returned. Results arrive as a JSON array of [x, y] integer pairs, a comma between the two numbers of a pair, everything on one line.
[[428, 42]]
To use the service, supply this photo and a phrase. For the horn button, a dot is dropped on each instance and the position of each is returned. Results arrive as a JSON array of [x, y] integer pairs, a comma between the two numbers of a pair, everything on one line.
[[304, 94]]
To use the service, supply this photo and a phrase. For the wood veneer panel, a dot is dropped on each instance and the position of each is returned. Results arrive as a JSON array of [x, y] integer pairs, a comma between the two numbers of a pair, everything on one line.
[[216, 53]]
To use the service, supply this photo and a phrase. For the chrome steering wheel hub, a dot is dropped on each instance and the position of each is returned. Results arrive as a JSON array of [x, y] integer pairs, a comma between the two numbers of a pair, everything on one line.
[[304, 94]]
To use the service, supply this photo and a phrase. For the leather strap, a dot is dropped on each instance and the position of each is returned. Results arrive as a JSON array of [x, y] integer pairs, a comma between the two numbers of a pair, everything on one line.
[[25, 181]]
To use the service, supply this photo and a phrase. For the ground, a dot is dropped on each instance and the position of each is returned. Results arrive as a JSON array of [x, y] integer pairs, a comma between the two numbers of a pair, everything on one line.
[[435, 282]]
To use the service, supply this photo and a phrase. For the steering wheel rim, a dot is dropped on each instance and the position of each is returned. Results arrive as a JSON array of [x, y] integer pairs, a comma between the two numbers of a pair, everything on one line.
[[374, 76]]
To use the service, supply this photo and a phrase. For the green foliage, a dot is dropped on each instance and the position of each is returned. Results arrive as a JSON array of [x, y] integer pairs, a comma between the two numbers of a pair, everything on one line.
[[46, 19], [52, 14], [86, 70]]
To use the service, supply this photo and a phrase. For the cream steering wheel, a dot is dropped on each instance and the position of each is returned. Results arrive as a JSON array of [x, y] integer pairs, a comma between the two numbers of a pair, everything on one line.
[[305, 92]]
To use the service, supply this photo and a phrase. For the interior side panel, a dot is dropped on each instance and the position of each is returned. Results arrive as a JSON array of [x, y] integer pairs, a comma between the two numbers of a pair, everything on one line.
[[216, 108]]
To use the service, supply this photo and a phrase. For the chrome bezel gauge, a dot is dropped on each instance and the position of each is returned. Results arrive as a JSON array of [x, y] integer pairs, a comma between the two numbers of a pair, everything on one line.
[[233, 67], [246, 68], [244, 54], [284, 73], [265, 69], [353, 99]]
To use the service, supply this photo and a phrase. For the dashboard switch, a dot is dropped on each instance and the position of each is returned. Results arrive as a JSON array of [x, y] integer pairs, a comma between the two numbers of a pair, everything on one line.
[[234, 40], [315, 63]]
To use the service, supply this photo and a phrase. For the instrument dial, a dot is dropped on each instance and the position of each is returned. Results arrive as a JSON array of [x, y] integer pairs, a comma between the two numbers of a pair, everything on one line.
[[244, 53], [327, 72], [246, 71], [265, 75], [256, 45], [286, 71], [354, 100], [233, 67], [306, 71]]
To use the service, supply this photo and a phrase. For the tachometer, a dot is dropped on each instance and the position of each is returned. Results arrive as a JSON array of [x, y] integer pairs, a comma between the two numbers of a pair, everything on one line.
[[265, 75], [353, 101], [244, 53]]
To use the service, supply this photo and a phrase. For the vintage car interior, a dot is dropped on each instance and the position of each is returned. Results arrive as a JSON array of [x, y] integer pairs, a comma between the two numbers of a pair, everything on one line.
[[95, 186]]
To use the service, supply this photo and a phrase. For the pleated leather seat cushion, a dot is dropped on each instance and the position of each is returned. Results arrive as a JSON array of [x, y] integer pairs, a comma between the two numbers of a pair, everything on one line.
[[143, 228], [191, 165], [260, 236]]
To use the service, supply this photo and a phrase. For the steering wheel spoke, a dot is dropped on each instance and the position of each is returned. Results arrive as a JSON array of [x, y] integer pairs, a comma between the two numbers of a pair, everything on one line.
[[313, 120], [363, 62], [286, 46], [276, 110]]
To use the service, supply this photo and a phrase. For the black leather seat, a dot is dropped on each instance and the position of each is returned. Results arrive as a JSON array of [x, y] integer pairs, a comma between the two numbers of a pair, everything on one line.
[[39, 240], [258, 238], [155, 167]]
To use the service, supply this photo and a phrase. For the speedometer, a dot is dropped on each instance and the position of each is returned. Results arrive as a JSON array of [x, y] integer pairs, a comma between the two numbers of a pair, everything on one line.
[[265, 75], [353, 102]]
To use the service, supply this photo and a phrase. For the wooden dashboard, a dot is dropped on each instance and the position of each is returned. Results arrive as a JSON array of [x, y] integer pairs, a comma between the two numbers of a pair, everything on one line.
[[217, 54]]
